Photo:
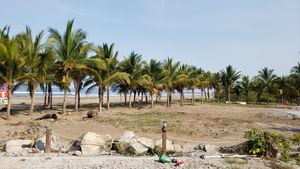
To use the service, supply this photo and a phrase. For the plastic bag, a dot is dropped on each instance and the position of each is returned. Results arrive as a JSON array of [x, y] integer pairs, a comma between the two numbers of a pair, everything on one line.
[[164, 159]]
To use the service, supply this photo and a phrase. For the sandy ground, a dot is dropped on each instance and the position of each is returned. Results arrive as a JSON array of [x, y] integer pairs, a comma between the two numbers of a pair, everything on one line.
[[214, 124]]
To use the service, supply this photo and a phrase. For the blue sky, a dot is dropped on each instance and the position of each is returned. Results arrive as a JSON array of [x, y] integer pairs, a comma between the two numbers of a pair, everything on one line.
[[211, 34]]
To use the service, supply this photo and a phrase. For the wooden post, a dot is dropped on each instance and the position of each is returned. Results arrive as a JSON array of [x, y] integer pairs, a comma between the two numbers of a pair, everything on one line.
[[48, 140], [164, 138]]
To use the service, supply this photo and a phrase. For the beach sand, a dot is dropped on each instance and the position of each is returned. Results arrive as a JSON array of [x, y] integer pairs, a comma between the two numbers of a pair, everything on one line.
[[210, 123]]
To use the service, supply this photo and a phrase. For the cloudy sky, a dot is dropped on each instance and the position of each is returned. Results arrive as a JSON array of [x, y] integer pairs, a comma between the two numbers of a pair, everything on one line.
[[211, 34]]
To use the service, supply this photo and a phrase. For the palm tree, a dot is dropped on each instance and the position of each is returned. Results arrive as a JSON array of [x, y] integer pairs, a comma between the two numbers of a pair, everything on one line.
[[245, 85], [266, 80], [133, 66], [152, 77], [32, 50], [181, 81], [69, 48], [295, 74], [12, 65], [229, 76], [194, 80], [217, 84], [170, 76]]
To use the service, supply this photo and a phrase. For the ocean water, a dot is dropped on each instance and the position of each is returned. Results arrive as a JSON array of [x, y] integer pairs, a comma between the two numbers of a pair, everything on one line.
[[22, 91]]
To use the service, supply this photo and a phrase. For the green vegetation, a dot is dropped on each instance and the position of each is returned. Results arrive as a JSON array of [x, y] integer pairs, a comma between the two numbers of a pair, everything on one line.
[[147, 122], [67, 58]]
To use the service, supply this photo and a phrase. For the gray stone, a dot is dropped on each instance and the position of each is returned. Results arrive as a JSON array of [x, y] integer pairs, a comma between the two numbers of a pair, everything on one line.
[[17, 146], [135, 147], [93, 143]]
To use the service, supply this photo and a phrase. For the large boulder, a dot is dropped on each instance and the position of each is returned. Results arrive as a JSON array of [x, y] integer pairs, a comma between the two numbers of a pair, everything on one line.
[[17, 146], [132, 144], [93, 143], [56, 145], [127, 136], [140, 145]]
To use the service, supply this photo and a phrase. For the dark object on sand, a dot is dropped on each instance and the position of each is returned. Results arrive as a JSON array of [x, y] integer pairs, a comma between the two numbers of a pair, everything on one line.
[[92, 114], [48, 116]]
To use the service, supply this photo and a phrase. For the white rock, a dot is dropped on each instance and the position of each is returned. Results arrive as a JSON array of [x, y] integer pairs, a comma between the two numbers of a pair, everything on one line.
[[16, 146], [127, 136], [146, 142], [93, 143], [77, 153]]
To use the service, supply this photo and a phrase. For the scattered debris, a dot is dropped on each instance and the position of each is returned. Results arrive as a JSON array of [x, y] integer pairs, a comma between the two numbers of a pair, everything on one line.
[[48, 116]]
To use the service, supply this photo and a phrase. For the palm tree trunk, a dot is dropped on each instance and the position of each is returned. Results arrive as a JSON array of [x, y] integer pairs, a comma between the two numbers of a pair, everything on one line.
[[134, 93], [65, 100], [152, 100], [208, 96], [125, 97], [100, 98], [168, 99], [49, 104], [130, 99], [76, 86], [45, 94], [32, 101], [107, 95], [146, 98], [202, 93], [193, 96], [228, 94], [181, 98], [79, 98], [9, 97], [49, 93]]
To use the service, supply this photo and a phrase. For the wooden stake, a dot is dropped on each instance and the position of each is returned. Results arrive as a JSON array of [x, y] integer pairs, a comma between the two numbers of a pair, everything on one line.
[[164, 138], [48, 140]]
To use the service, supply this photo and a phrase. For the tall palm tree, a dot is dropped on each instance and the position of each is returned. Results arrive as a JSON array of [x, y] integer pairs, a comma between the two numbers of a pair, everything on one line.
[[266, 80], [169, 73], [32, 49], [112, 74], [217, 85], [245, 84], [12, 65], [68, 48], [295, 74], [133, 66], [181, 81], [153, 70], [194, 80], [229, 76]]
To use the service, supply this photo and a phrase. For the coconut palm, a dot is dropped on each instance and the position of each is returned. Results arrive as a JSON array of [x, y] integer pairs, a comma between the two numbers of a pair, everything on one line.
[[133, 66], [32, 49], [169, 73], [245, 85], [181, 81], [69, 48], [194, 80], [229, 76], [266, 81], [12, 65], [217, 85], [152, 77], [295, 74]]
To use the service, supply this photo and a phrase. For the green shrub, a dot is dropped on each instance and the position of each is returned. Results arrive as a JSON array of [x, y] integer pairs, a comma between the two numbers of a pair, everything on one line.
[[267, 144]]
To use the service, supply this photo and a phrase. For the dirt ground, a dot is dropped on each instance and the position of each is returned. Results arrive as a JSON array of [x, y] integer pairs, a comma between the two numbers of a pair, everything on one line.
[[219, 124], [210, 123]]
